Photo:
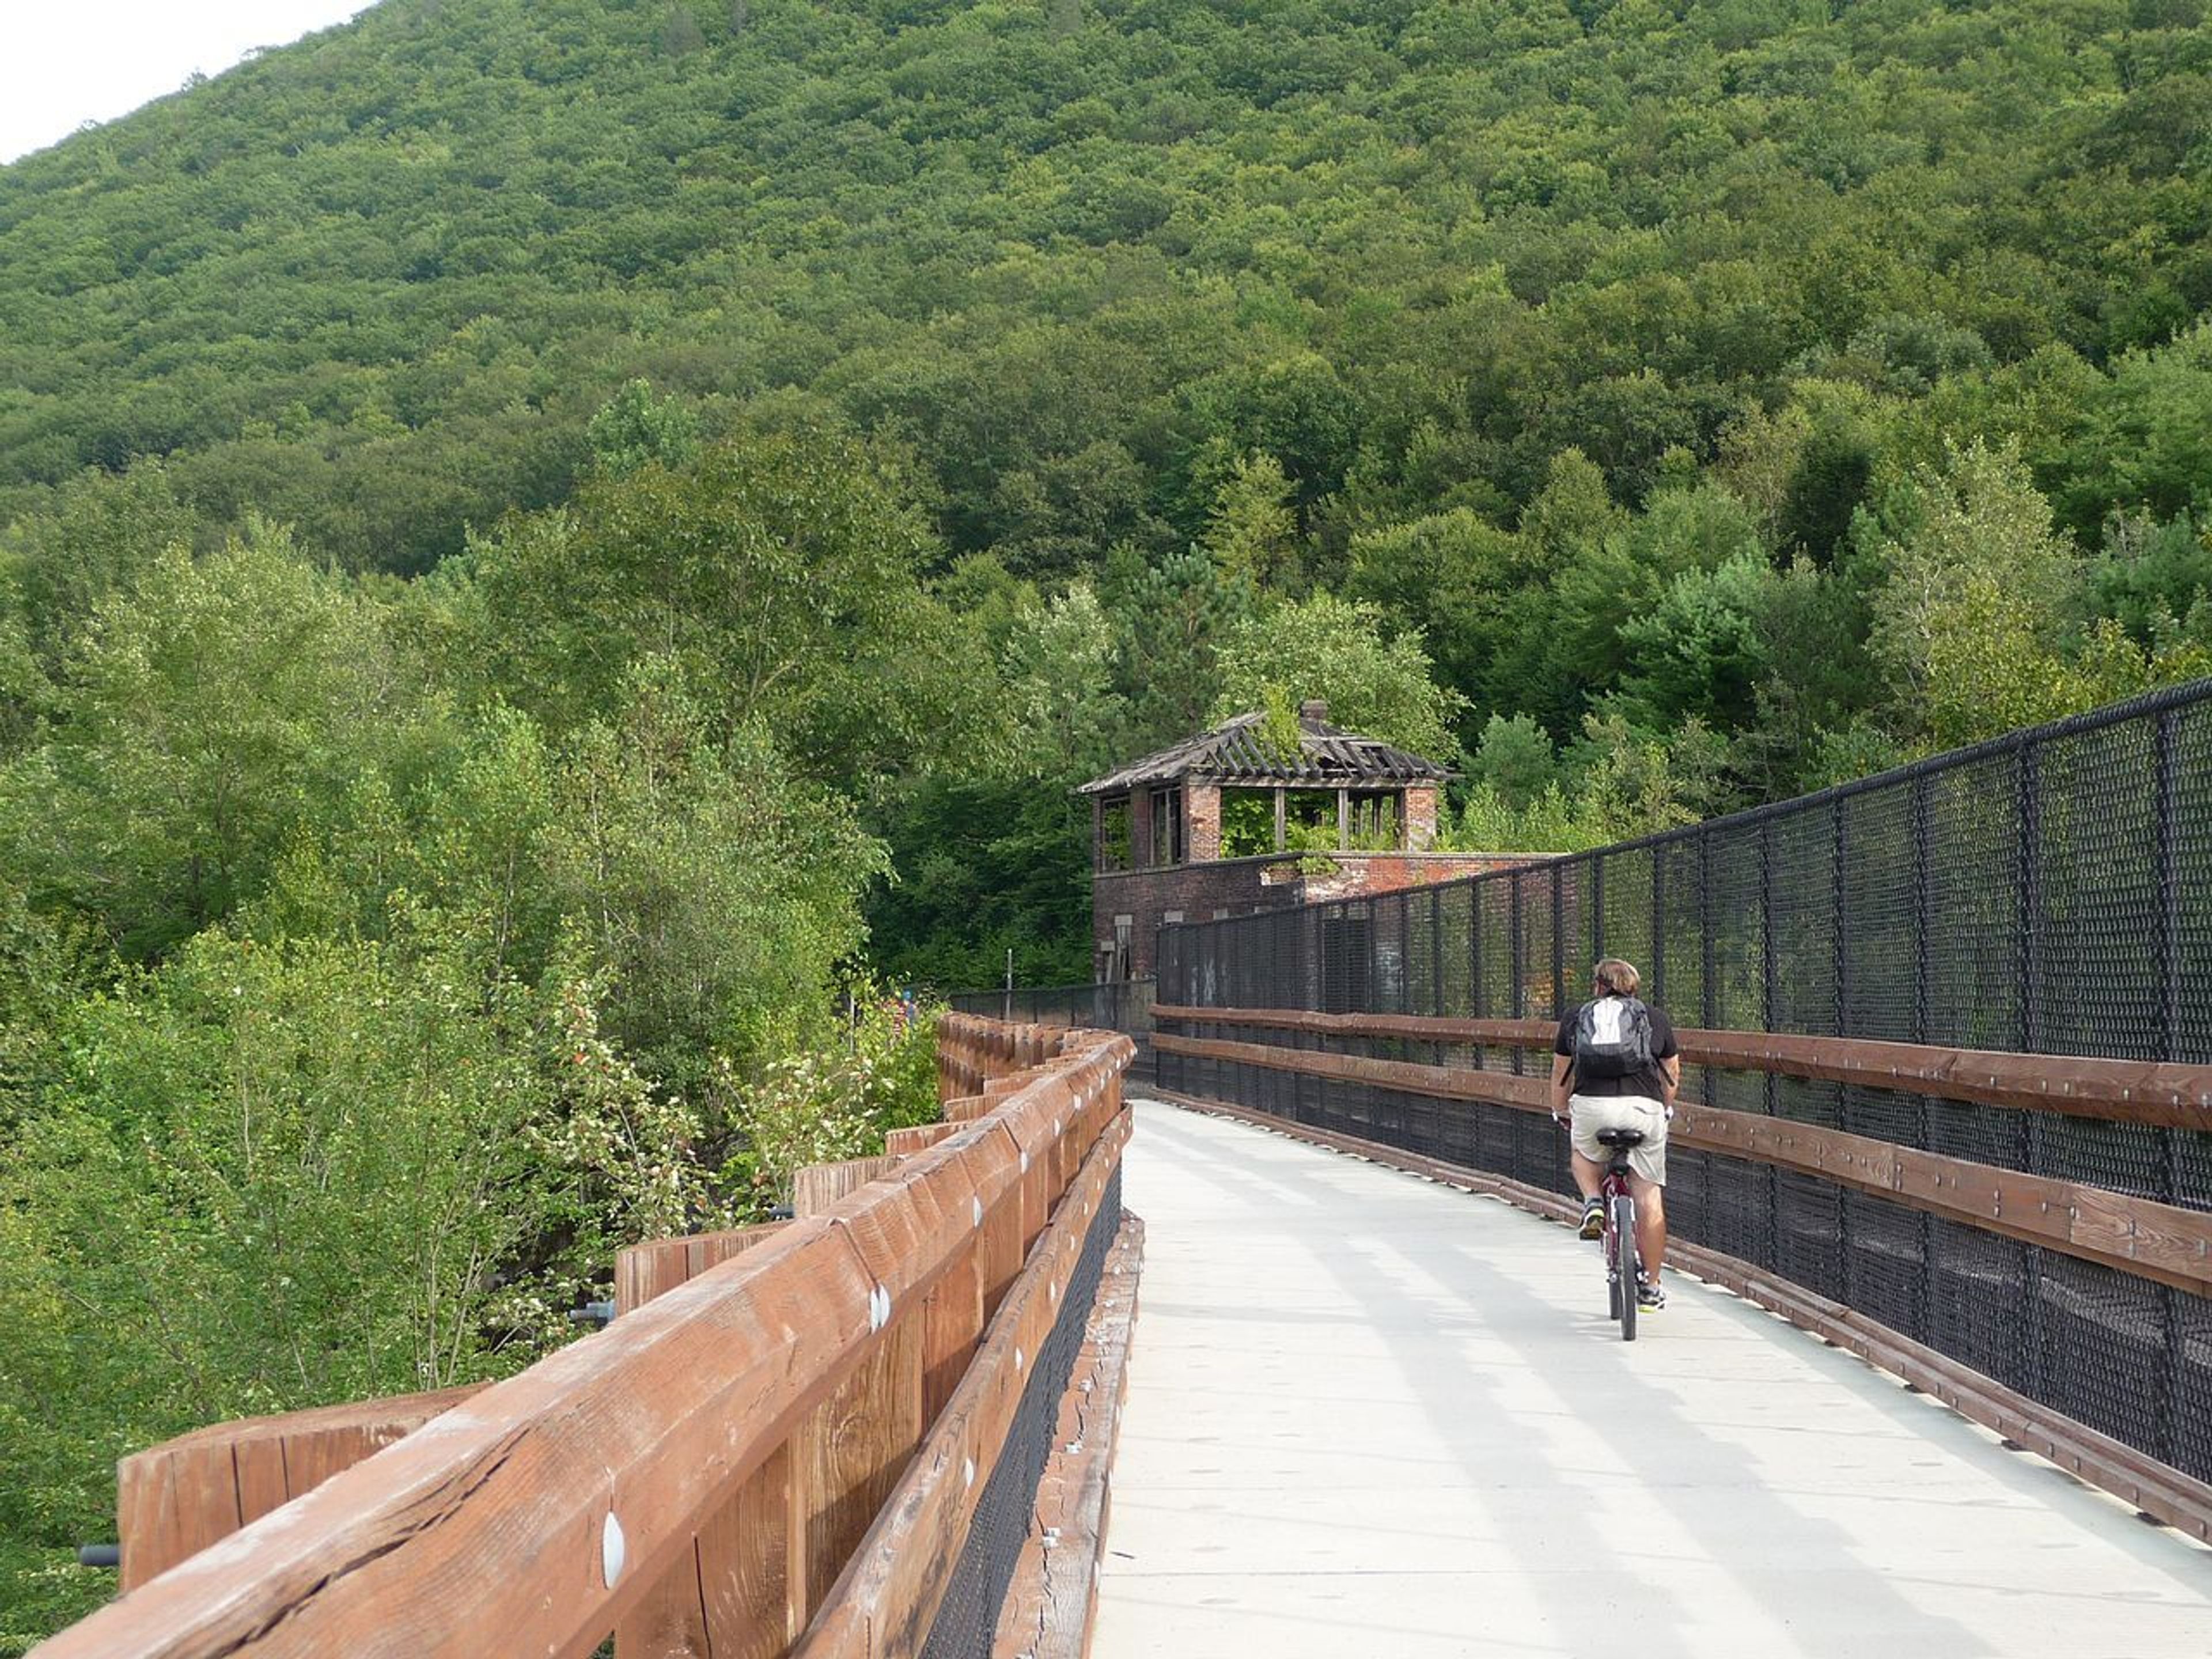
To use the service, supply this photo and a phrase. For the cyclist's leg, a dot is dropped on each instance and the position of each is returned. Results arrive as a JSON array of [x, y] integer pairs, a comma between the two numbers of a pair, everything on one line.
[[1651, 1225], [1586, 1159], [1583, 1152], [1588, 1177]]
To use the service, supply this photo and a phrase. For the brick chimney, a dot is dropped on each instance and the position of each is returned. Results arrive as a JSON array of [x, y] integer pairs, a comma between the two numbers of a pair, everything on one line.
[[1314, 710]]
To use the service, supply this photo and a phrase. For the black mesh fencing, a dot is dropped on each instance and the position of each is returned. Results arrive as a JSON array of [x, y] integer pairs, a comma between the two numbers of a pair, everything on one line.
[[2050, 892], [1123, 1005], [967, 1618]]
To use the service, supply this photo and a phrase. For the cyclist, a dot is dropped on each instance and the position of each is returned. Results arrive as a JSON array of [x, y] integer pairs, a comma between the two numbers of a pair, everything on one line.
[[1634, 1067]]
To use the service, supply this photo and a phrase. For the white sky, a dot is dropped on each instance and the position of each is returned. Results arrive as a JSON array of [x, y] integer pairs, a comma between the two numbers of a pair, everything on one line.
[[63, 63]]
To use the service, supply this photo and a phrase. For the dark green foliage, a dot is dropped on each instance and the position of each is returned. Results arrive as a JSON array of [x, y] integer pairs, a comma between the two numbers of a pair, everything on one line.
[[781, 569], [1082, 257], [986, 866]]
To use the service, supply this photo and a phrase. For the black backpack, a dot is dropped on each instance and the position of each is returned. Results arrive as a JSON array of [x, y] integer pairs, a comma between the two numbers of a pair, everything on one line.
[[1613, 1037]]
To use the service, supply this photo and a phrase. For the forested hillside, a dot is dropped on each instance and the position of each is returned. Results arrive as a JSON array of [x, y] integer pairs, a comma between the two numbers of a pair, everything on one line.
[[549, 547], [1079, 255], [1616, 349]]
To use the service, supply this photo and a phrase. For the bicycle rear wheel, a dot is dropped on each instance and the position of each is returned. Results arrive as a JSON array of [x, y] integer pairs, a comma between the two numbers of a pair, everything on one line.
[[1624, 1230], [1614, 1292]]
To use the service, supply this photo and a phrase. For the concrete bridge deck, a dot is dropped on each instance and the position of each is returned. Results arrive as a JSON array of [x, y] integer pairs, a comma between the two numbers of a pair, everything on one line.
[[1372, 1416]]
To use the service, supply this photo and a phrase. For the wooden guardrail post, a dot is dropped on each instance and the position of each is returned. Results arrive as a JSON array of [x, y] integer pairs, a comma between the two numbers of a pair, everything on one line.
[[952, 1319], [917, 1138], [845, 1459], [725, 1595], [175, 1499], [818, 1186]]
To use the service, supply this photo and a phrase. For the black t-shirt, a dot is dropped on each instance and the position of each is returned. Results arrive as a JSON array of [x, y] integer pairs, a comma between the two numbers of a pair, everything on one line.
[[1650, 1083]]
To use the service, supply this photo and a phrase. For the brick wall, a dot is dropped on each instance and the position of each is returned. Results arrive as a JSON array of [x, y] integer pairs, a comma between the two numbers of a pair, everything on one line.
[[1421, 819], [1358, 874], [1202, 815]]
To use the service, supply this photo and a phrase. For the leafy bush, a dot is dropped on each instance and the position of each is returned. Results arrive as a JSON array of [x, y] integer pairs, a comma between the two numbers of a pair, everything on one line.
[[835, 1103]]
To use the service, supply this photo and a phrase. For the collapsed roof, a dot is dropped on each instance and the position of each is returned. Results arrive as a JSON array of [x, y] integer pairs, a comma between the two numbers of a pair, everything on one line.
[[1236, 754]]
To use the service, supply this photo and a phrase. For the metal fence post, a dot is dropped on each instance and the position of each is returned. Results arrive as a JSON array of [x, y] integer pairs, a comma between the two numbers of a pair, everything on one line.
[[1766, 1001], [2028, 872], [1708, 975], [2028, 963], [2166, 822], [1839, 922], [1768, 967], [1839, 931], [1916, 818], [1514, 986]]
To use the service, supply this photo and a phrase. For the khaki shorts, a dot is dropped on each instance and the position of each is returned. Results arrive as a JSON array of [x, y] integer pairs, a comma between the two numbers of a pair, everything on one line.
[[1590, 1113]]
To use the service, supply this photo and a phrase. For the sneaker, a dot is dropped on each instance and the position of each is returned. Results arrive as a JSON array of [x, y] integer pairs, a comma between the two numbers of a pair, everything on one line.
[[1593, 1218], [1650, 1297]]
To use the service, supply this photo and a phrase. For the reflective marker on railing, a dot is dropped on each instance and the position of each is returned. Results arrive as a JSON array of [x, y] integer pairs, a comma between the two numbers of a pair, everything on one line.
[[613, 1550], [879, 1308], [979, 1211]]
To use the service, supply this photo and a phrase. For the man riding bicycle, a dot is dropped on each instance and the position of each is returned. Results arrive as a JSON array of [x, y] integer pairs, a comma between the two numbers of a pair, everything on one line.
[[1616, 1066]]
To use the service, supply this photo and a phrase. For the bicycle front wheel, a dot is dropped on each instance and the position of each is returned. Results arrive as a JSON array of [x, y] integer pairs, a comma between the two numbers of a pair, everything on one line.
[[1624, 1230]]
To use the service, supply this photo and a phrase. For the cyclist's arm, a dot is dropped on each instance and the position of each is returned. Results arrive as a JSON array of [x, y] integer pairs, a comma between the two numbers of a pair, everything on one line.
[[1561, 1064], [1670, 1070]]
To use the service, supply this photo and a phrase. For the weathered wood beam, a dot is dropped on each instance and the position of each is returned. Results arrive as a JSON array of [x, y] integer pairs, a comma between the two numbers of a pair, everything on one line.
[[2158, 1093], [2139, 1236]]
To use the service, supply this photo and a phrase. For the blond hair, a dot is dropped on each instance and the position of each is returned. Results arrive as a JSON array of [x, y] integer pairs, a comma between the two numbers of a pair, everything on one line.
[[1614, 977]]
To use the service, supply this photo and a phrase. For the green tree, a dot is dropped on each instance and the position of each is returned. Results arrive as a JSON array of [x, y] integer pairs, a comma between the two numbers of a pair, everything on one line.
[[102, 534], [1374, 684], [633, 427], [1064, 718], [1457, 577], [1970, 620], [1252, 531], [1515, 758], [1699, 652], [1173, 617], [782, 570], [721, 891], [205, 714]]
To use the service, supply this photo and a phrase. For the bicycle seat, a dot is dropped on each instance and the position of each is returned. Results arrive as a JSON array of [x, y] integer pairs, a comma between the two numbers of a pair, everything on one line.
[[1622, 1138]]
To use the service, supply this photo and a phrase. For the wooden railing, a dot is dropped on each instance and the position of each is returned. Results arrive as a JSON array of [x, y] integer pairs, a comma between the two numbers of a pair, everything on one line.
[[2167, 1244], [777, 1446], [2162, 1241]]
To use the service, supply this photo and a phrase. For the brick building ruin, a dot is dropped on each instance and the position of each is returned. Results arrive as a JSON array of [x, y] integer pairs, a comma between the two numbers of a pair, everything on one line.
[[1221, 825]]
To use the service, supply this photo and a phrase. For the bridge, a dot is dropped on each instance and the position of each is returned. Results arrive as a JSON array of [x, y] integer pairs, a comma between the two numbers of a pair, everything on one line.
[[1941, 1173]]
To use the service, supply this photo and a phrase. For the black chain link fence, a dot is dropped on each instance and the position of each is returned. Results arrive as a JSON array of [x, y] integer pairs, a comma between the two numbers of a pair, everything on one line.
[[2048, 892], [1124, 1005], [967, 1618]]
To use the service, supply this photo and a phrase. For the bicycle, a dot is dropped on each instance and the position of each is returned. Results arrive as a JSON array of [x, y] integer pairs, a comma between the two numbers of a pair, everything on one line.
[[1621, 1265]]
